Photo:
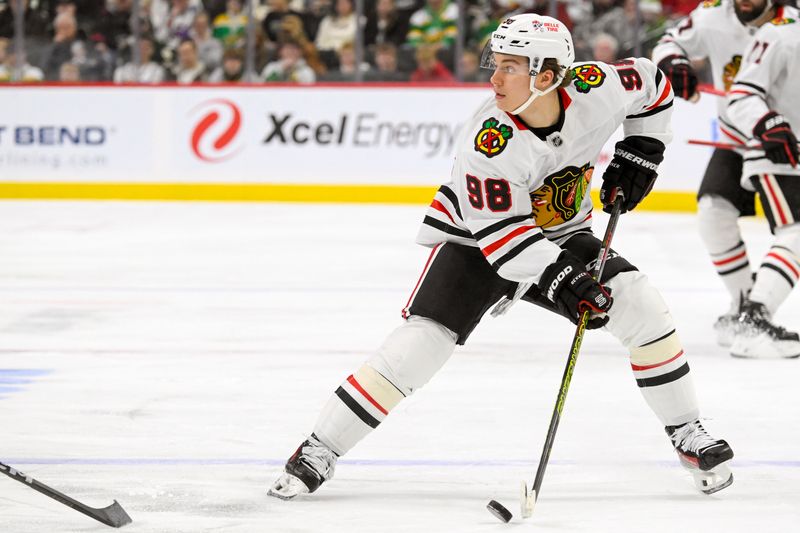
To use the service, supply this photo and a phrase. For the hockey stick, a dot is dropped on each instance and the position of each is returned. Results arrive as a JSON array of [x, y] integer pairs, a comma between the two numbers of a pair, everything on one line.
[[710, 89], [528, 498], [113, 515], [715, 144]]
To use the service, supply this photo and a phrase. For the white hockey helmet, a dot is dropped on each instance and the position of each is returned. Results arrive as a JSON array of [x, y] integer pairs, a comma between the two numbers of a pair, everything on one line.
[[535, 37]]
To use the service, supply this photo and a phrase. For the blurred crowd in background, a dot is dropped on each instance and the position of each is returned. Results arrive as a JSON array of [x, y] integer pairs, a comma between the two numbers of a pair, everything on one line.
[[301, 41]]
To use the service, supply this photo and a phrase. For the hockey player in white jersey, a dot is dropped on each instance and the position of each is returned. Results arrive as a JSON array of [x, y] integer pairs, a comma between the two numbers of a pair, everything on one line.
[[517, 210], [721, 31], [764, 103]]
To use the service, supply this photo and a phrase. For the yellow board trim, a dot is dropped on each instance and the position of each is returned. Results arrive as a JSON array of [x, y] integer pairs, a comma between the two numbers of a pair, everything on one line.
[[672, 201]]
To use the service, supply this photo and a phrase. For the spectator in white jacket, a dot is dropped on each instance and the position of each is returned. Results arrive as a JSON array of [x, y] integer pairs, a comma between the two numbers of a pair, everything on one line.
[[146, 72], [337, 28]]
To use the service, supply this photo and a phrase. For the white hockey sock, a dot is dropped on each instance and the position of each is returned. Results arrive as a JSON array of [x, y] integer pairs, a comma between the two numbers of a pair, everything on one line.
[[357, 407], [640, 319], [780, 269], [662, 373], [719, 228], [409, 357]]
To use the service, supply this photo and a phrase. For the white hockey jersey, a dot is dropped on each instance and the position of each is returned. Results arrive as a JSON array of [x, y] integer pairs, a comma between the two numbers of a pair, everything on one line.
[[713, 31], [768, 81], [515, 192]]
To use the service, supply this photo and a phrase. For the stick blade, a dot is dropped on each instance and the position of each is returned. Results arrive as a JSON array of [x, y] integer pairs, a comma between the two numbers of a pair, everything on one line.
[[113, 515], [527, 500]]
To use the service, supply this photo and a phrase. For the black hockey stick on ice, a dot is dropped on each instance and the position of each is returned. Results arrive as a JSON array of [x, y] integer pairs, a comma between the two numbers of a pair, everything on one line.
[[528, 497], [113, 515]]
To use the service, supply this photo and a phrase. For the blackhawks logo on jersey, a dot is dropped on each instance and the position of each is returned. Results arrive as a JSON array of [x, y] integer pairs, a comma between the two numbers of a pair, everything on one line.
[[780, 21], [712, 3], [730, 70], [587, 77], [493, 138], [561, 196]]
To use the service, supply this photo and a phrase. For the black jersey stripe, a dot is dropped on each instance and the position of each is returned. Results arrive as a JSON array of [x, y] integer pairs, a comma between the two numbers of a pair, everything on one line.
[[652, 112], [447, 228], [743, 98], [746, 264], [755, 158], [497, 226], [789, 280], [658, 77], [518, 249], [661, 338], [448, 192], [663, 379], [359, 411], [751, 85], [733, 128]]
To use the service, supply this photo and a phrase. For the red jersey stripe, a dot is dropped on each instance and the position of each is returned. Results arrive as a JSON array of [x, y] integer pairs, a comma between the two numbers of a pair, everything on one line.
[[774, 198], [421, 277], [436, 204], [730, 135], [565, 99], [664, 94], [517, 122], [489, 250]]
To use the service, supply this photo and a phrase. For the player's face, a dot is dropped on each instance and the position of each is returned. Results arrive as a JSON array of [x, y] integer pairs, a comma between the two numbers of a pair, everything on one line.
[[748, 10], [511, 81]]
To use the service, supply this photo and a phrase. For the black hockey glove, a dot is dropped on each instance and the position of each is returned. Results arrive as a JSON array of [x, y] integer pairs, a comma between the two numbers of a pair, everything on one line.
[[777, 138], [572, 290], [633, 169], [681, 75]]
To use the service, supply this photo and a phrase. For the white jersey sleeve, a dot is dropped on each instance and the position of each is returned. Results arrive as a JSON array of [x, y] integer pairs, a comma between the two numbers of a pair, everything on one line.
[[762, 66], [767, 82], [687, 38], [648, 99]]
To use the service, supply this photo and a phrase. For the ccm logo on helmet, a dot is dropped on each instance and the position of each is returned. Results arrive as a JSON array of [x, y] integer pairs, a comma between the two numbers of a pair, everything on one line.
[[213, 135]]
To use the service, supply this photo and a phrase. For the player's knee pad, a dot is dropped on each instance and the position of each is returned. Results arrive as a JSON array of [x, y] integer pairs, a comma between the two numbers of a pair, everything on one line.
[[413, 353], [639, 314], [717, 219]]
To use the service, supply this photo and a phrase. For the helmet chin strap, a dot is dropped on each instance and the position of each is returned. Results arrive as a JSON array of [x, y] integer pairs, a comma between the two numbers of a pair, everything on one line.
[[536, 93]]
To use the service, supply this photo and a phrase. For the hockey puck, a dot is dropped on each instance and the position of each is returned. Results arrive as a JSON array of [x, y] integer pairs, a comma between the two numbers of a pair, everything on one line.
[[500, 512]]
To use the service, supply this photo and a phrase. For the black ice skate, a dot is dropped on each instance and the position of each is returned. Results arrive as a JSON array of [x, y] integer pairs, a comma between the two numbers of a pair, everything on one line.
[[310, 466], [705, 457], [757, 337]]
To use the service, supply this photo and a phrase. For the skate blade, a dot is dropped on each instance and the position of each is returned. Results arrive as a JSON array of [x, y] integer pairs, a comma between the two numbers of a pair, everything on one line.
[[287, 487], [753, 356], [761, 347], [714, 480]]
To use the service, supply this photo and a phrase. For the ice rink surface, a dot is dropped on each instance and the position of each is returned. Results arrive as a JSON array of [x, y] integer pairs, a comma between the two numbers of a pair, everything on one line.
[[172, 356]]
